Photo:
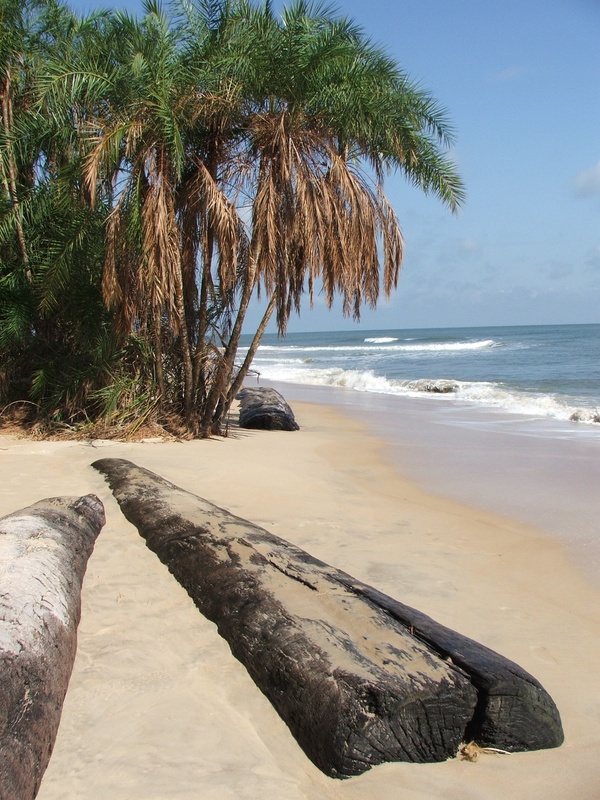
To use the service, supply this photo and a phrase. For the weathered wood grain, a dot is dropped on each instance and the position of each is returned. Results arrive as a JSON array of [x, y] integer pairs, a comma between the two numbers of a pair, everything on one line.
[[354, 686], [44, 550], [359, 677]]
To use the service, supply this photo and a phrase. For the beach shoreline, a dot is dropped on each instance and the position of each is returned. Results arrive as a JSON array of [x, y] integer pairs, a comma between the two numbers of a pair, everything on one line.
[[157, 706], [542, 473]]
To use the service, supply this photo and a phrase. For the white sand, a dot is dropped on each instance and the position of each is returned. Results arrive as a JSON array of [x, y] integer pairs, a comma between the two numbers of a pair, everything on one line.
[[157, 706]]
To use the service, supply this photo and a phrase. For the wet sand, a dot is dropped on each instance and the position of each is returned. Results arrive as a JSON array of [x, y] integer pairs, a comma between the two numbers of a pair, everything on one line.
[[540, 471], [157, 706]]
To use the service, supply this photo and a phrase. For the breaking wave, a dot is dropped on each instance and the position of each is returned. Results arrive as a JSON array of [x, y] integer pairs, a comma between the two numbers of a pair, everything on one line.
[[481, 393], [383, 343]]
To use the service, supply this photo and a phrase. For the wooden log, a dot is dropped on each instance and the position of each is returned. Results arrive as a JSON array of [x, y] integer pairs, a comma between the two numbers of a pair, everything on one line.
[[203, 546], [265, 409], [44, 550], [514, 711], [353, 685]]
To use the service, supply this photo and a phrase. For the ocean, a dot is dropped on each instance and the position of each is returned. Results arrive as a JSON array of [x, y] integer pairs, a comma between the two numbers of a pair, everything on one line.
[[541, 371], [506, 419]]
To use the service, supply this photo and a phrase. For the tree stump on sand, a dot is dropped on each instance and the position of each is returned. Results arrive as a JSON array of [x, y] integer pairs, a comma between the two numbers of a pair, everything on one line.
[[44, 550], [265, 409], [356, 678]]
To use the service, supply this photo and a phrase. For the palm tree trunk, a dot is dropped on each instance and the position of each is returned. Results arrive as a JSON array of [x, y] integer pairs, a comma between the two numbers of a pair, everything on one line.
[[212, 417], [158, 354], [243, 371], [10, 181], [217, 402], [186, 350], [207, 244], [207, 251]]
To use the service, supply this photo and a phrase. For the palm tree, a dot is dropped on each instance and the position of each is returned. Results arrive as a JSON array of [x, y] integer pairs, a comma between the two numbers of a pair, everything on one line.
[[136, 159], [36, 282], [324, 116], [156, 143], [229, 152], [13, 46]]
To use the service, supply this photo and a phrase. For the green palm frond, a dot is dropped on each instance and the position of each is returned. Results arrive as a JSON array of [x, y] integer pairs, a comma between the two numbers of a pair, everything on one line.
[[158, 170]]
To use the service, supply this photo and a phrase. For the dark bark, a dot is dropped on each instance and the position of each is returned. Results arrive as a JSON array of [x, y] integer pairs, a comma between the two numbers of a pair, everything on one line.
[[514, 712], [44, 550], [358, 677], [265, 409]]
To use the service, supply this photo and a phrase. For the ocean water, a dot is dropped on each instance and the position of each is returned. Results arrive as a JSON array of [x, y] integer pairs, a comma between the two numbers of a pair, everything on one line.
[[504, 419], [543, 371]]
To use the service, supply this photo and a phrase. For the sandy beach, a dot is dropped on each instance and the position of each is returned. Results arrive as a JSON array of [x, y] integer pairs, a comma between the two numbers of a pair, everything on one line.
[[158, 707]]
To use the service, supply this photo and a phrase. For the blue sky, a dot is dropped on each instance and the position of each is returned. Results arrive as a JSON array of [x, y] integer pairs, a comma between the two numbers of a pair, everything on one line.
[[521, 82]]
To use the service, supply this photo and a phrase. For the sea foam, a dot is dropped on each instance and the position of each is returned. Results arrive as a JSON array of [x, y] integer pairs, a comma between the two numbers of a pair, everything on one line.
[[541, 372], [383, 344], [481, 393]]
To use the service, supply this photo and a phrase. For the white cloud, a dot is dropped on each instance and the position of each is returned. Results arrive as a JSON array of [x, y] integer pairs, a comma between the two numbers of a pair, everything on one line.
[[587, 182]]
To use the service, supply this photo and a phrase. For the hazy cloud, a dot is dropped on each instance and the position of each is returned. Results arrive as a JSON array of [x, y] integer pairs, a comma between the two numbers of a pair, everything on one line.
[[587, 182], [509, 74], [557, 271], [469, 246], [592, 261]]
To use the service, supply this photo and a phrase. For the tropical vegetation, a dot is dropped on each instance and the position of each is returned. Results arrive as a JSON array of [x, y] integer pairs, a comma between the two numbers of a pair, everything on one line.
[[157, 173]]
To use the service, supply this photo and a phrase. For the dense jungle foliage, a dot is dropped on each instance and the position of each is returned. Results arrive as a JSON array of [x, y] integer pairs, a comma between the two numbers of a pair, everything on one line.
[[159, 171]]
